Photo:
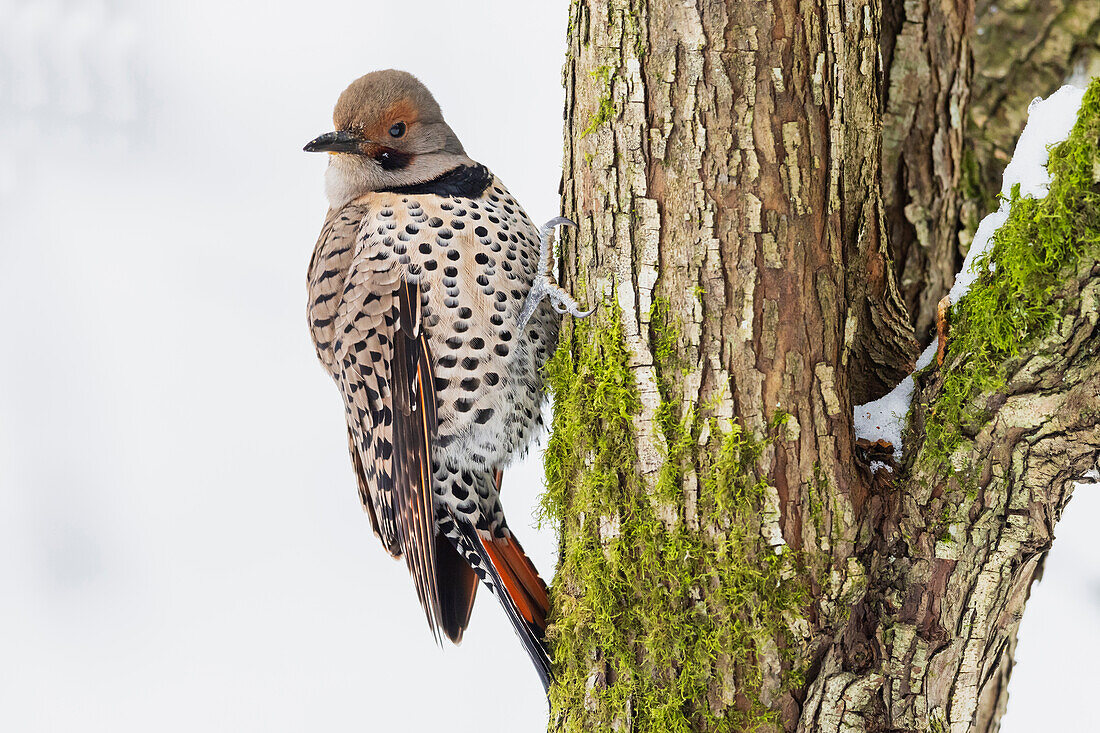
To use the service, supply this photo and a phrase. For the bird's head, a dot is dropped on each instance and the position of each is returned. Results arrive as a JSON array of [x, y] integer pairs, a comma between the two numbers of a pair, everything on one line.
[[389, 133]]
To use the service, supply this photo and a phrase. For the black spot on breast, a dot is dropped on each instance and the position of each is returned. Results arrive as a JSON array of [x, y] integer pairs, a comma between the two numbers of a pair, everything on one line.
[[470, 383], [481, 231], [482, 416], [481, 258], [463, 405], [470, 363], [453, 255], [441, 384], [425, 248], [477, 343], [412, 228], [448, 361], [435, 222], [501, 350], [492, 378], [454, 342]]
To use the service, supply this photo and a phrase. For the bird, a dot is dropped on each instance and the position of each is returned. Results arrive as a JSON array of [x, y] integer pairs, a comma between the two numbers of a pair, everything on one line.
[[432, 306]]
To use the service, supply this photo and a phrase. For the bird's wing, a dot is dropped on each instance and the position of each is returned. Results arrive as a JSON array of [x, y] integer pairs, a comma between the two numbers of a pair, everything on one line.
[[389, 540], [385, 374]]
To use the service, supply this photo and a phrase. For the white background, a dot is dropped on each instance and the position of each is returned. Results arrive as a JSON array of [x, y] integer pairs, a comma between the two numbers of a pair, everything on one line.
[[181, 545]]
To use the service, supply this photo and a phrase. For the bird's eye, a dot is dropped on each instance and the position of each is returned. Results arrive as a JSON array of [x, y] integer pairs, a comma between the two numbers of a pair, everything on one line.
[[398, 129]]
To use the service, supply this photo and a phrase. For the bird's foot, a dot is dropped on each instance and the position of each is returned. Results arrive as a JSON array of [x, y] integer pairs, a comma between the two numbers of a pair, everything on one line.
[[545, 286]]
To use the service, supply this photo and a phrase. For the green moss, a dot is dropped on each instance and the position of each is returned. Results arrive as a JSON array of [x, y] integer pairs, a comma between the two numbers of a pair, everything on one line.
[[605, 110], [1015, 302], [658, 609]]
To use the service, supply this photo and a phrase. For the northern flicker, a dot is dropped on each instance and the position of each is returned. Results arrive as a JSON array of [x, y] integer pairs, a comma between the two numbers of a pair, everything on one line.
[[432, 306]]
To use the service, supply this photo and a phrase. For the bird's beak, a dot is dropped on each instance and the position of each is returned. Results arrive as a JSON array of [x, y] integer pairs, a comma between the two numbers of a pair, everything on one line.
[[340, 141]]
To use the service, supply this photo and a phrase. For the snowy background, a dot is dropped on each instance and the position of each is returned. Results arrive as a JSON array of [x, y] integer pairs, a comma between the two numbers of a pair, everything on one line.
[[181, 544]]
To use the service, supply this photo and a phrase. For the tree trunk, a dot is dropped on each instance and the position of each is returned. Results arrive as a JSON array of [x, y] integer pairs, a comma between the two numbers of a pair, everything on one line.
[[728, 560]]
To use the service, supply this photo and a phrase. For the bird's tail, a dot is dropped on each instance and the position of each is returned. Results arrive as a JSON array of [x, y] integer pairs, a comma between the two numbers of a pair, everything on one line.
[[516, 583]]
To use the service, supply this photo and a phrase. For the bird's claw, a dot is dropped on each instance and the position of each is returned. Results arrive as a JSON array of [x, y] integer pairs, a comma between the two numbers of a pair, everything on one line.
[[544, 285]]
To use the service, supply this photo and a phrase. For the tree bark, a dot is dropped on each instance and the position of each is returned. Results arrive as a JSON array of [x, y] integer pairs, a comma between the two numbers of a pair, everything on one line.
[[926, 48], [743, 176]]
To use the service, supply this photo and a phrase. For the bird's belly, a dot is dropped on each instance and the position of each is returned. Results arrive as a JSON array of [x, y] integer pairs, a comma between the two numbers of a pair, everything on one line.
[[489, 391], [475, 261]]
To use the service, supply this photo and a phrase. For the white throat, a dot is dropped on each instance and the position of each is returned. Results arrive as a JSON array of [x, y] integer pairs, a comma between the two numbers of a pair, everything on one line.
[[345, 178]]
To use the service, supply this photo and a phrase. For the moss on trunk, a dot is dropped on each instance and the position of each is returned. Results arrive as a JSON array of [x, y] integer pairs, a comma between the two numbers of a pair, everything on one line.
[[662, 600]]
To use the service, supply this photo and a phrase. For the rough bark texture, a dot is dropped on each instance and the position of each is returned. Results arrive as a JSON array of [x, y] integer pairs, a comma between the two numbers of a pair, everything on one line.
[[926, 47], [728, 561]]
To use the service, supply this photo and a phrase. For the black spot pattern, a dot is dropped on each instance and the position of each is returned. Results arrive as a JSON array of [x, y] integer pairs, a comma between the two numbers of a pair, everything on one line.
[[488, 381]]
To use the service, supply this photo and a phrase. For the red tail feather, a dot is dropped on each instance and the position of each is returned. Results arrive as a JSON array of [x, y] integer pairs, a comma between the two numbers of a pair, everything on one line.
[[520, 579]]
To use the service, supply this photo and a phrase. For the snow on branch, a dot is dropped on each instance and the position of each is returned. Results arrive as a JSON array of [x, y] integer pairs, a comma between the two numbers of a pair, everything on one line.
[[1049, 122]]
